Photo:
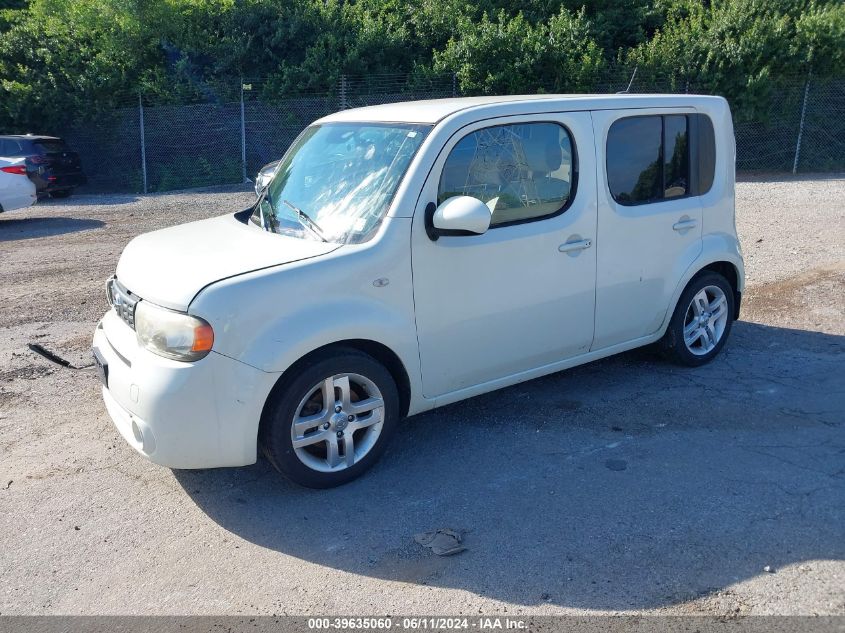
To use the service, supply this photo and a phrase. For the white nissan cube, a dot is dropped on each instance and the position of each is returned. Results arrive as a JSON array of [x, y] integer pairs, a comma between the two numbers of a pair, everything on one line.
[[411, 255]]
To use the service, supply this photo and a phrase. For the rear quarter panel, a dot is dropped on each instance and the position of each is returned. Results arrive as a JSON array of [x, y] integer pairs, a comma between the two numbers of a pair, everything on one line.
[[16, 192], [720, 242]]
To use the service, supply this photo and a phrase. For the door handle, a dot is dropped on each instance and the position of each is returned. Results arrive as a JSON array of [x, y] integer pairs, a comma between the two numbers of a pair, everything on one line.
[[684, 225], [570, 247]]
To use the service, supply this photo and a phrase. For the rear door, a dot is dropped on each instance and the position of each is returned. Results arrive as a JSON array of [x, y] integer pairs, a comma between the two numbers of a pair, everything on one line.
[[649, 221]]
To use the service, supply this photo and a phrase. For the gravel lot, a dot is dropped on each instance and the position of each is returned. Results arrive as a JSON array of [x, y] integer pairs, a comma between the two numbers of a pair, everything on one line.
[[627, 485]]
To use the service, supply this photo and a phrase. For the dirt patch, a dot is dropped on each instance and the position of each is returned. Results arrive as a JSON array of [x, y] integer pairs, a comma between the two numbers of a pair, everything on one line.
[[29, 372], [10, 398], [811, 300], [78, 343]]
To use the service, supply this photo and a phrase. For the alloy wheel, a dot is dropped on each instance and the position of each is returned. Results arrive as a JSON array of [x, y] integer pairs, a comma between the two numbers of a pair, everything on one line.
[[337, 422], [705, 320]]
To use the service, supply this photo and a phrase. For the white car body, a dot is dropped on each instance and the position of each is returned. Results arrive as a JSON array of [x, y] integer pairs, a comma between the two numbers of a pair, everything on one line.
[[17, 191], [451, 318]]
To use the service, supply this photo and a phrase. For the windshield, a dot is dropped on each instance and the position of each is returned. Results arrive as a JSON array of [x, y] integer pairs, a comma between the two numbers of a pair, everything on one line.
[[337, 180]]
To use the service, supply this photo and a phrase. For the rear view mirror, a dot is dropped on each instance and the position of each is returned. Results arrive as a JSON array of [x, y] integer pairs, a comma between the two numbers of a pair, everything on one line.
[[460, 215]]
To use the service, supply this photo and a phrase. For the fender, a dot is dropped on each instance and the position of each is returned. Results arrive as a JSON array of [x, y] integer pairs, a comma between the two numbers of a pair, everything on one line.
[[271, 318], [300, 333], [716, 247]]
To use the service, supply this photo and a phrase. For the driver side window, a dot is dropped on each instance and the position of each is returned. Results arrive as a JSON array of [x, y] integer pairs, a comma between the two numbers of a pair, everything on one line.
[[522, 172]]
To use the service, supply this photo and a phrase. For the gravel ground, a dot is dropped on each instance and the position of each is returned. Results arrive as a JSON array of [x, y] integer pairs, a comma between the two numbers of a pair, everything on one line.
[[627, 485]]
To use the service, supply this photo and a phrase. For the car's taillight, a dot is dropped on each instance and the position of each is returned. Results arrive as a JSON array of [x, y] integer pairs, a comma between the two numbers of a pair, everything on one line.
[[20, 170]]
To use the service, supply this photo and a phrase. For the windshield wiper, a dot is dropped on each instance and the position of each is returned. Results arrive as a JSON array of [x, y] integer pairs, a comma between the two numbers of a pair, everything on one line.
[[264, 222], [305, 220]]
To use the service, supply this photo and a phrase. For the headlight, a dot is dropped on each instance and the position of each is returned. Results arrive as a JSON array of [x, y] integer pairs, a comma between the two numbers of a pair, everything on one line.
[[172, 334]]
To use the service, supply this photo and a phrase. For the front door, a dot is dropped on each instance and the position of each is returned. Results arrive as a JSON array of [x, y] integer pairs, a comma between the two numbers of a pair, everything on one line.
[[522, 295]]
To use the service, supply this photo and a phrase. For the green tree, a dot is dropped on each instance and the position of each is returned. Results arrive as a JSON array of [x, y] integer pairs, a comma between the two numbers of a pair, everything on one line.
[[67, 59], [512, 55], [737, 47]]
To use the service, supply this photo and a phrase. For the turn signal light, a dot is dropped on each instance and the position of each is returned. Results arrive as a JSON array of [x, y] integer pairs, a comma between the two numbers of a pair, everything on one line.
[[203, 338]]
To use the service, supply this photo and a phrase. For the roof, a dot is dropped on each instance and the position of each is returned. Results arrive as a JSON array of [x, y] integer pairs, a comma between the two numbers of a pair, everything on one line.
[[31, 137], [435, 110]]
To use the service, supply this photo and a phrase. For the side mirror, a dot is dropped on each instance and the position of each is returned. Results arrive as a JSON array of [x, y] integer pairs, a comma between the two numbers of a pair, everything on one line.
[[460, 215]]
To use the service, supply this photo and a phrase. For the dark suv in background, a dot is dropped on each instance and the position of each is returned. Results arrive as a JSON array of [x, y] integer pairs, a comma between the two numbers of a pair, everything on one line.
[[53, 167]]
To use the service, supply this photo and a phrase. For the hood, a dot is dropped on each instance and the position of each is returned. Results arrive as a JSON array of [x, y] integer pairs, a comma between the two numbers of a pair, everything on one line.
[[169, 267]]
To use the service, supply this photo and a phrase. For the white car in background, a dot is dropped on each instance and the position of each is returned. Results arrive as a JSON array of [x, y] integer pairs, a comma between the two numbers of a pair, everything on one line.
[[17, 191]]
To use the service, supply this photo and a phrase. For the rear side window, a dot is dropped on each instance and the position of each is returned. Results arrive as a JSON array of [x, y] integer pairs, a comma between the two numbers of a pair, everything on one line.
[[703, 149], [654, 158], [522, 172], [10, 147], [50, 147]]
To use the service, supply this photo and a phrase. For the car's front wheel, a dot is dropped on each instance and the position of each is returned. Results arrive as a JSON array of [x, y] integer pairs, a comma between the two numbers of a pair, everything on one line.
[[332, 420], [701, 322]]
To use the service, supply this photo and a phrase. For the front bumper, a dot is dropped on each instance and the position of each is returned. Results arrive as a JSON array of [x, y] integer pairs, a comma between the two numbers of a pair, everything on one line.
[[181, 415]]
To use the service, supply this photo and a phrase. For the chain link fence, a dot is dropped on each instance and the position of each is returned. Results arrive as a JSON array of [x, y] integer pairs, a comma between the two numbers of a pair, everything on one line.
[[797, 126]]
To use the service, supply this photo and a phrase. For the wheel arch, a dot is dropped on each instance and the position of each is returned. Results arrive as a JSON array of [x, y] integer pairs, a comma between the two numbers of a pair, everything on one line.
[[725, 261], [379, 351], [730, 272]]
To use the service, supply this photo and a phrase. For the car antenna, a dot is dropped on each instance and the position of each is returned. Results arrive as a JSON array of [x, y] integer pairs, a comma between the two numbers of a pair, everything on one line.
[[630, 83]]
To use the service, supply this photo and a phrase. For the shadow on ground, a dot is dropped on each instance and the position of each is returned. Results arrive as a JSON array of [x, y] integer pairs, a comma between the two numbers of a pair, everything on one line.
[[623, 484], [13, 229]]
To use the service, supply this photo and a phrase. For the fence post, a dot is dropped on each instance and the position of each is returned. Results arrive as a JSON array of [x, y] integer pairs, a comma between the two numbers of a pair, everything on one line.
[[343, 104], [801, 125], [143, 141], [243, 136]]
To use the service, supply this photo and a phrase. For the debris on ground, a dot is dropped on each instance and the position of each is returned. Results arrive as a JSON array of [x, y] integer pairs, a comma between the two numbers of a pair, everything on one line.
[[616, 464], [769, 569], [8, 485], [55, 358], [443, 542]]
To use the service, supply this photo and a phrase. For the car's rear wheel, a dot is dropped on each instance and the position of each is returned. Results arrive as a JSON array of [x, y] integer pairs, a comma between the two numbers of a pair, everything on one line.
[[701, 322], [331, 421], [61, 193]]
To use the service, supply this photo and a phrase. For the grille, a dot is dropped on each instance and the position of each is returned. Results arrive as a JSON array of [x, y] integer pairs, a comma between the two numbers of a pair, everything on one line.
[[122, 301]]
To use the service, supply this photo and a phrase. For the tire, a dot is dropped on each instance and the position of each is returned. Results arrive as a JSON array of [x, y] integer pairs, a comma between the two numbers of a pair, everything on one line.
[[321, 458], [703, 322], [61, 193]]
